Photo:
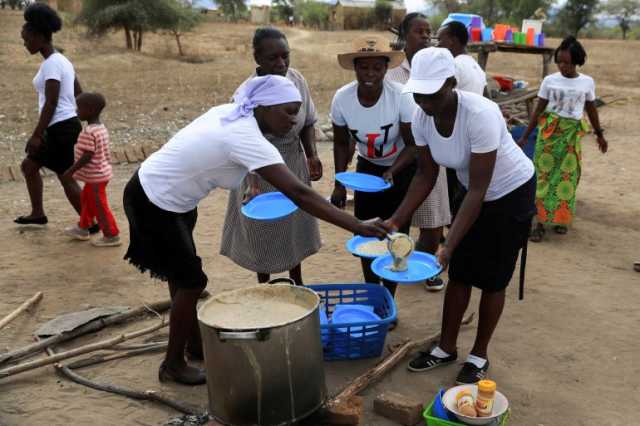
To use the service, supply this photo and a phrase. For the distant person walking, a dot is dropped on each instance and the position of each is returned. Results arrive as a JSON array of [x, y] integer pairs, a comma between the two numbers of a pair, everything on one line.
[[51, 143], [434, 213], [562, 99], [272, 247], [93, 167]]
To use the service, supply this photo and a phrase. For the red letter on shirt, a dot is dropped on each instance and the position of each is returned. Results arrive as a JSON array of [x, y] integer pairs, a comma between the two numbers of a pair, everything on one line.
[[371, 144]]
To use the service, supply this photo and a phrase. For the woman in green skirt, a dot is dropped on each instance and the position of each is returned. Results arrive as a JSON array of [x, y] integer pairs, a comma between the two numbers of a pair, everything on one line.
[[562, 99]]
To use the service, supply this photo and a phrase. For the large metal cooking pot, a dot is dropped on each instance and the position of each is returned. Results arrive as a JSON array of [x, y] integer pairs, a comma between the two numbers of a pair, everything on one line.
[[268, 375]]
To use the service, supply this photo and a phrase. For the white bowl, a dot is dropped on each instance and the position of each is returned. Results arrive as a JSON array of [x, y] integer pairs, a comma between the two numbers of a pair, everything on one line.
[[500, 405]]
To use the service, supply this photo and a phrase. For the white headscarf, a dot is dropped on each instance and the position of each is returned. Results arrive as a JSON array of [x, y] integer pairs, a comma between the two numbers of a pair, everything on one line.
[[261, 91]]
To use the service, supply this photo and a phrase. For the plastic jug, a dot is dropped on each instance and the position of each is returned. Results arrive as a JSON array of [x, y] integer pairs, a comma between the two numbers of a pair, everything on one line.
[[476, 34]]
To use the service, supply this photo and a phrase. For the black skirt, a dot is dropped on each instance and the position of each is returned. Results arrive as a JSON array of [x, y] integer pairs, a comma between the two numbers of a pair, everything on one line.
[[487, 255], [162, 241], [56, 151], [369, 205]]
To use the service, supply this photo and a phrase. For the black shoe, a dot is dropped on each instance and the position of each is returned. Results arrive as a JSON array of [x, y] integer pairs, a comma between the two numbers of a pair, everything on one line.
[[470, 374], [189, 375], [94, 229], [38, 221], [434, 284], [425, 362]]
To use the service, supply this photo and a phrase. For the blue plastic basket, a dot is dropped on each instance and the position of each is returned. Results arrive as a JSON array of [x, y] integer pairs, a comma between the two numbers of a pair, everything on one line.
[[355, 340]]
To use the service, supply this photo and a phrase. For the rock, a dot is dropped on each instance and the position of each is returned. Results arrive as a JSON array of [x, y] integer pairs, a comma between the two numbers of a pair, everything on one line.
[[399, 408]]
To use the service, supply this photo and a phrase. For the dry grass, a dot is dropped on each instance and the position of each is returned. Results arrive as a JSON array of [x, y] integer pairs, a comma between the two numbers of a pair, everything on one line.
[[153, 93]]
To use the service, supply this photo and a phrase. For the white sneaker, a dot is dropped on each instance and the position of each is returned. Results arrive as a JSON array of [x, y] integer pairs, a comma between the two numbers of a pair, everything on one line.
[[77, 233], [107, 241]]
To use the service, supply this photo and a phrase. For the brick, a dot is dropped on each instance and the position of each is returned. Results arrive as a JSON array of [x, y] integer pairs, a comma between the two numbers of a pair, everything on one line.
[[148, 149], [399, 408], [119, 156], [139, 153], [16, 173], [131, 156], [347, 412], [5, 174]]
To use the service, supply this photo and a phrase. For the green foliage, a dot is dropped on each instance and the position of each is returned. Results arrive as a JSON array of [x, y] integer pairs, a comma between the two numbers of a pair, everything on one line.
[[233, 9], [382, 11], [282, 9], [576, 14], [314, 14], [136, 17]]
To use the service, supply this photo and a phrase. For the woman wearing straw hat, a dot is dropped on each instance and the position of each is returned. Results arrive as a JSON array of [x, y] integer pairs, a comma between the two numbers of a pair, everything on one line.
[[466, 132], [415, 32], [372, 111], [273, 247], [216, 150]]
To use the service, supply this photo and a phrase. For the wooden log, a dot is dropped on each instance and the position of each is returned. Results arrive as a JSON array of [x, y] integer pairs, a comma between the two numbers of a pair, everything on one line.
[[148, 395], [26, 305], [383, 367], [90, 327], [100, 358], [20, 368]]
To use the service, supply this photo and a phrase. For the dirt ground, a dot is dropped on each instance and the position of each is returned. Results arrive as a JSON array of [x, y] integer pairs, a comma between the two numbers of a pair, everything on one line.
[[566, 355]]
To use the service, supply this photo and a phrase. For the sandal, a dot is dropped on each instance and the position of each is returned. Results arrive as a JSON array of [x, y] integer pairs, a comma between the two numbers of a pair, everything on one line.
[[561, 230], [537, 234], [636, 266]]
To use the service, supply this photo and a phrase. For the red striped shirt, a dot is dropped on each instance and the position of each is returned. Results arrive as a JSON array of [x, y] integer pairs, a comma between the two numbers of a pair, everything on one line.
[[94, 138]]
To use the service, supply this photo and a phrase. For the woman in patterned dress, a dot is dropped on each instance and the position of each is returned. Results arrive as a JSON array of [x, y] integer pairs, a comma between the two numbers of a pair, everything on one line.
[[273, 247], [563, 97]]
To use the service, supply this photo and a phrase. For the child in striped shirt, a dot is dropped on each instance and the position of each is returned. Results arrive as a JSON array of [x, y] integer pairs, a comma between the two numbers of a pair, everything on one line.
[[93, 167]]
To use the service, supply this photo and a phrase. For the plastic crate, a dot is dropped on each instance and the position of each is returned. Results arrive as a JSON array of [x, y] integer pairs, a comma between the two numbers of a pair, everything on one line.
[[430, 420], [355, 340]]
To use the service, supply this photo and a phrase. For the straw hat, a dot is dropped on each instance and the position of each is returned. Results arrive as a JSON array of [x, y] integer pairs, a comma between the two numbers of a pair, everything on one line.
[[370, 47]]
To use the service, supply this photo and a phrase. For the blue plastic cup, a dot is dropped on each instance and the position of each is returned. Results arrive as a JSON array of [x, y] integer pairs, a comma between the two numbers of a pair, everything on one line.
[[540, 40], [487, 34]]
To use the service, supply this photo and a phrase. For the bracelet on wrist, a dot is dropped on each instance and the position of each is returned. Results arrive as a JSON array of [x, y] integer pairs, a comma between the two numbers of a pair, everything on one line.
[[598, 132]]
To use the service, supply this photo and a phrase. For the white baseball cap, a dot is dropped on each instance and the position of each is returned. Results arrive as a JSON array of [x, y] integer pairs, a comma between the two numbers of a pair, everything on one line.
[[430, 68]]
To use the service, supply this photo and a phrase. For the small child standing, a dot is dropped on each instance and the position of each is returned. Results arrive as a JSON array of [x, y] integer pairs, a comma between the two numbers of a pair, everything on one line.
[[93, 167]]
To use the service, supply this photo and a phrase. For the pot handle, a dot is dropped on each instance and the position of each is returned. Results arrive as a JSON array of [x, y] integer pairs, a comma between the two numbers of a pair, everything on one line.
[[259, 335], [282, 280]]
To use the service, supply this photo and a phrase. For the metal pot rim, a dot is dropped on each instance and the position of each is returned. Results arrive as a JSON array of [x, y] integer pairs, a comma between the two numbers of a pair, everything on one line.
[[270, 327]]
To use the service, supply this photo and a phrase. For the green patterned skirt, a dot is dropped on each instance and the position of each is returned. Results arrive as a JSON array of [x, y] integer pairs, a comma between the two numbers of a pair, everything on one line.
[[558, 162]]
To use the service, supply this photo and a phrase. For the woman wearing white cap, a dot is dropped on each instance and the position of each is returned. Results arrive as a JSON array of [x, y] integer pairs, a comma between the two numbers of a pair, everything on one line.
[[467, 132], [216, 150]]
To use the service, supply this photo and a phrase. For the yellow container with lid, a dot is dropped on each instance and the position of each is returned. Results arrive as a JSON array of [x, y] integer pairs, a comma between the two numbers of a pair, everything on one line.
[[485, 398]]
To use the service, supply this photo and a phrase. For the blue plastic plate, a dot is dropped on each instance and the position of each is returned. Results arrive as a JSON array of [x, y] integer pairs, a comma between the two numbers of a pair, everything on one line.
[[269, 206], [421, 266], [353, 244], [354, 314], [362, 182]]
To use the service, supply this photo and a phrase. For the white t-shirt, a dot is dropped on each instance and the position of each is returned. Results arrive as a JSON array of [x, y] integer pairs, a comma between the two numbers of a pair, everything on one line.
[[57, 67], [375, 129], [203, 156], [567, 96], [469, 75], [479, 128]]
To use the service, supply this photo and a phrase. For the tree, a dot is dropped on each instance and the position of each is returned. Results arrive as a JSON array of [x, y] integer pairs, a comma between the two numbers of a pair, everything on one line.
[[576, 14], [382, 11], [282, 9], [232, 9], [623, 11], [136, 17], [180, 20], [314, 14]]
